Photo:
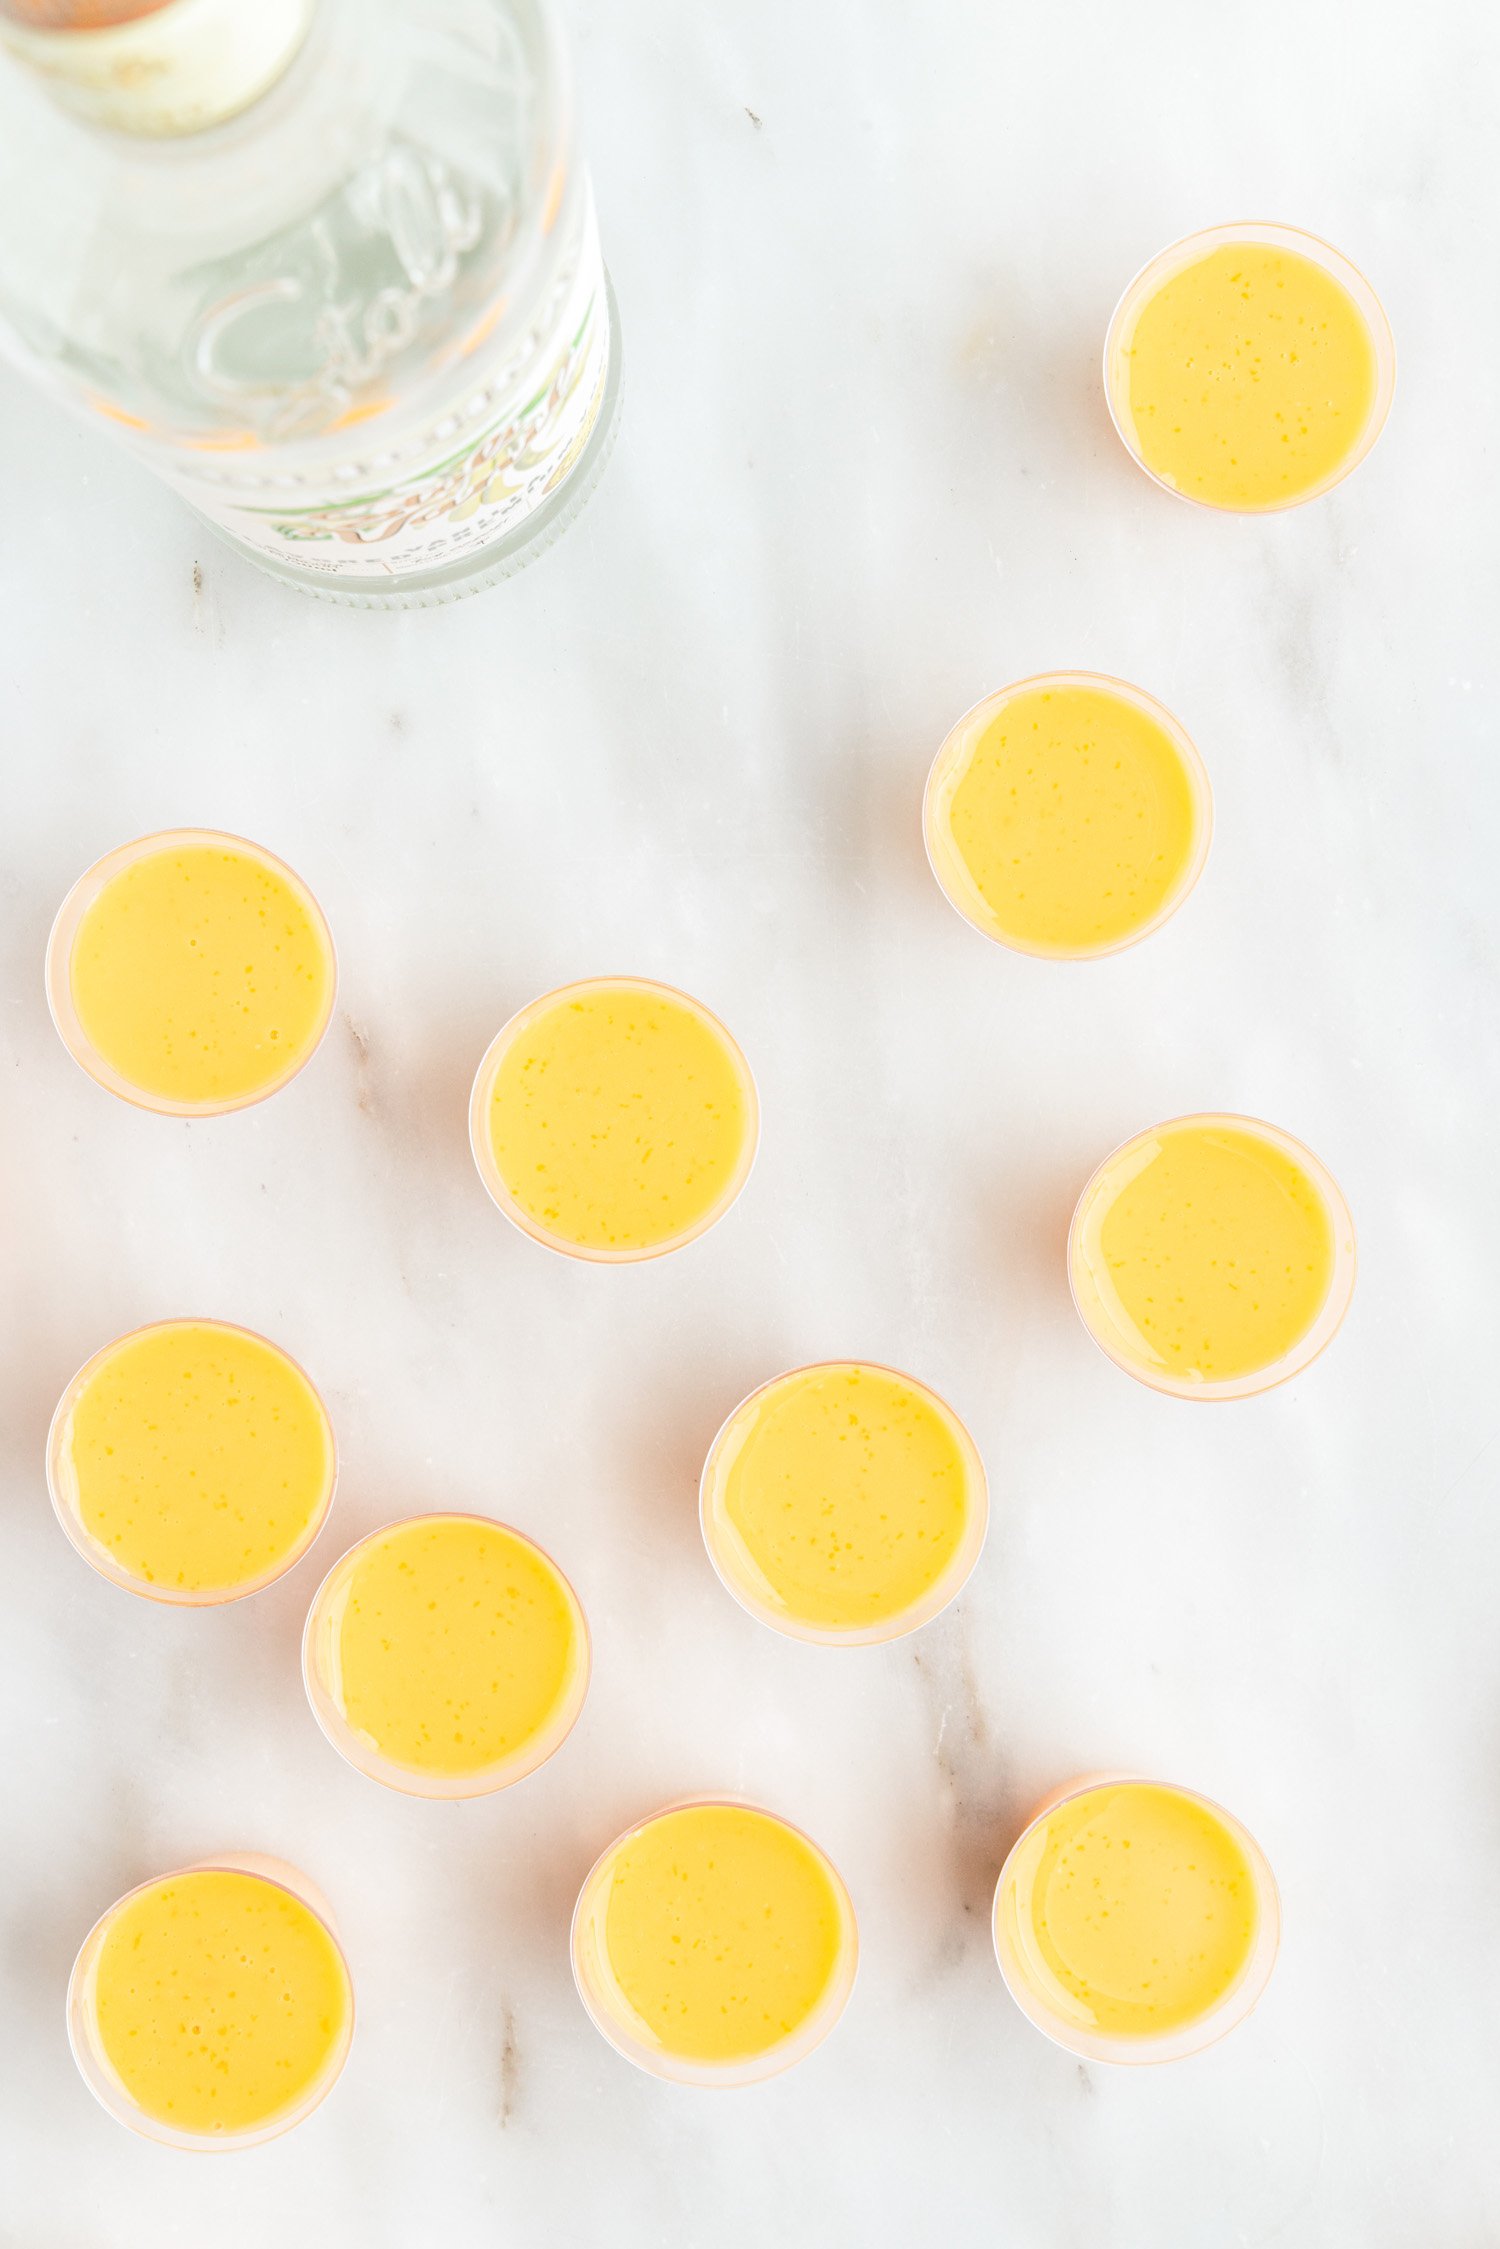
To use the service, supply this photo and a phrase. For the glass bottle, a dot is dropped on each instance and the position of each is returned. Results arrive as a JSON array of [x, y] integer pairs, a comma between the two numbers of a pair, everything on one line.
[[330, 267]]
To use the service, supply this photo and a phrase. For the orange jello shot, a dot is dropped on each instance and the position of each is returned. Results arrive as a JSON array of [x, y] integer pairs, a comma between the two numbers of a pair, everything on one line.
[[212, 2008], [844, 1503], [191, 973], [614, 1119], [1135, 1922], [1067, 815], [191, 1462], [714, 1944], [446, 1656], [1249, 367], [1212, 1257]]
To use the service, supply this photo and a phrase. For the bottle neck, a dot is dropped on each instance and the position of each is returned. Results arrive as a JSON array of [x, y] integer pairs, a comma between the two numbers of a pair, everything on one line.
[[155, 68]]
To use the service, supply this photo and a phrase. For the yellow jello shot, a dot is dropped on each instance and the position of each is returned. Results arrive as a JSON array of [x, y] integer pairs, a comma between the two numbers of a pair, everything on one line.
[[1212, 1257], [212, 2008], [614, 1119], [1249, 368], [191, 973], [844, 1503], [1135, 1922], [713, 1944], [191, 1462], [446, 1656], [1067, 815]]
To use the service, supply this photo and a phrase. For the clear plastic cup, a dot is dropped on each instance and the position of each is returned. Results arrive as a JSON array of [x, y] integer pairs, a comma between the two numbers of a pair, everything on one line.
[[93, 2063], [1170, 261], [948, 867], [722, 1541], [610, 2011], [60, 954], [320, 1674], [1094, 1312], [484, 1154], [1189, 2038], [61, 1482]]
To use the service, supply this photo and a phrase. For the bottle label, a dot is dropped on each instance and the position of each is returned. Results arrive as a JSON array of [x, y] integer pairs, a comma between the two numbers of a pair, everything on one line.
[[471, 478]]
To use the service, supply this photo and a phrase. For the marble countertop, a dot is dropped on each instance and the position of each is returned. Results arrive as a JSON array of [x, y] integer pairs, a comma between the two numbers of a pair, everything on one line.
[[865, 258]]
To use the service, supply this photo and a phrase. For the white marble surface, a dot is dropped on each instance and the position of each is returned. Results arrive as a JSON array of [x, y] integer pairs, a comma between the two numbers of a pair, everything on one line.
[[864, 475]]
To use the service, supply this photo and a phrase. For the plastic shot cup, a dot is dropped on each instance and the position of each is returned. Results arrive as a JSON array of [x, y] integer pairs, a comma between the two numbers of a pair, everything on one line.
[[1255, 234], [1066, 2017], [1092, 808], [137, 1487], [158, 1004], [1099, 1300], [446, 1656], [750, 1558], [614, 1119], [317, 1936], [598, 1973]]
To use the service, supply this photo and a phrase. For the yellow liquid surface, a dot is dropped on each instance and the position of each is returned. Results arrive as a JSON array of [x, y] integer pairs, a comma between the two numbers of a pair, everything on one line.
[[197, 1457], [721, 1931], [201, 974], [1132, 1909], [1250, 375], [619, 1116], [1066, 822], [449, 1644], [218, 2000], [1206, 1252], [839, 1495]]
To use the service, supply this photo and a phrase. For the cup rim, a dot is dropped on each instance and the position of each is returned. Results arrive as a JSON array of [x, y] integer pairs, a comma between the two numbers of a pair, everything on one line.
[[1183, 252], [63, 935], [938, 1596], [1231, 2008], [1331, 1313], [489, 1171], [488, 1780], [96, 1556], [1199, 785], [100, 2078], [754, 2069]]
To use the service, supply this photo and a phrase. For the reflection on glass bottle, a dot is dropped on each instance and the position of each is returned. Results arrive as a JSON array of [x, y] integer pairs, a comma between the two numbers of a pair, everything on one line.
[[331, 266]]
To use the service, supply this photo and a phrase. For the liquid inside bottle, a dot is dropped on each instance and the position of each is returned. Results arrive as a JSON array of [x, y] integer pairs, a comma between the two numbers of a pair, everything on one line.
[[330, 266]]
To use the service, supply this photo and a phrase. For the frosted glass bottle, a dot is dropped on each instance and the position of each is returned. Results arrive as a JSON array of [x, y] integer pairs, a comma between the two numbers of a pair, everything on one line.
[[330, 267]]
